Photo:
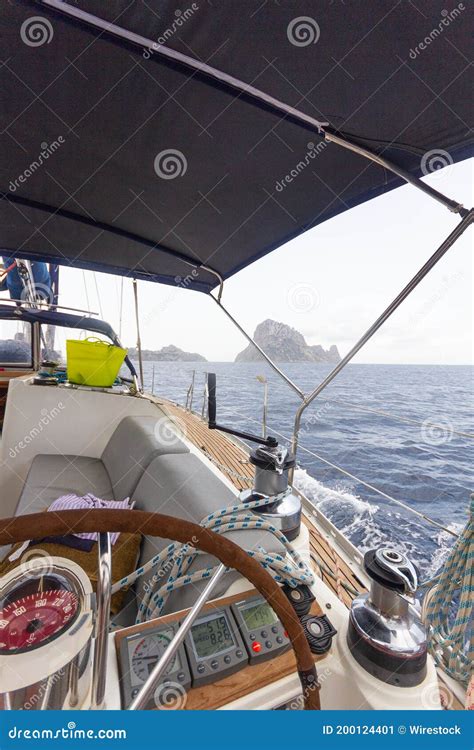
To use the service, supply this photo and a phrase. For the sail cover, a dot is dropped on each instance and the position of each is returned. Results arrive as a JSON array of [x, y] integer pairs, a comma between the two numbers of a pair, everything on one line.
[[117, 159]]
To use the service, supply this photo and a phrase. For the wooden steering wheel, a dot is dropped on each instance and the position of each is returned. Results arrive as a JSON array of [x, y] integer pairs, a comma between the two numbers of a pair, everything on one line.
[[38, 525]]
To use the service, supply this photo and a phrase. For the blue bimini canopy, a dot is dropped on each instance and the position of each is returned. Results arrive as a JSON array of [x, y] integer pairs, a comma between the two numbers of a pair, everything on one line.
[[180, 144]]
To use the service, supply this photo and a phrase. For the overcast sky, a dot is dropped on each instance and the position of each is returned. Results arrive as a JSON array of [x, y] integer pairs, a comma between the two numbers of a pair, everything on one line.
[[330, 284]]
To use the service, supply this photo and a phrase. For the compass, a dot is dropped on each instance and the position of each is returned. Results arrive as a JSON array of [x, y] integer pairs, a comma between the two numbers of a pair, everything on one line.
[[46, 628], [32, 619]]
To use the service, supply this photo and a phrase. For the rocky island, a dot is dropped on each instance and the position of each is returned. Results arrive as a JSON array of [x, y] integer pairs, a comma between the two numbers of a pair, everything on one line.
[[285, 344], [169, 353]]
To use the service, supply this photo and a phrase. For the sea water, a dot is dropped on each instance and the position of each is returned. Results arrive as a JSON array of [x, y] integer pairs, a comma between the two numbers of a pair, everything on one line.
[[396, 427]]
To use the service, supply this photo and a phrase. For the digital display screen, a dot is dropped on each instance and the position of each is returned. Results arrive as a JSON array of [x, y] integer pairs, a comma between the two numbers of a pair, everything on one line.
[[258, 615], [212, 636]]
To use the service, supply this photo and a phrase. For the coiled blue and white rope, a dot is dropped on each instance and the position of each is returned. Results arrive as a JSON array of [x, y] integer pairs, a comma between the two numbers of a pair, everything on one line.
[[174, 561], [451, 636]]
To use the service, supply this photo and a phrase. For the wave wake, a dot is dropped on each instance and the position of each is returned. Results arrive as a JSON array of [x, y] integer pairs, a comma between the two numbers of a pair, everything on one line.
[[368, 525]]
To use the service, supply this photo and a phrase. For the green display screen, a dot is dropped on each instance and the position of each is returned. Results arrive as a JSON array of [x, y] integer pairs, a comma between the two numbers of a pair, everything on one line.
[[258, 615], [212, 636]]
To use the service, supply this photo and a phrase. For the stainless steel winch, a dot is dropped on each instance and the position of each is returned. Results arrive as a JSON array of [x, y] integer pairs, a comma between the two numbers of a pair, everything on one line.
[[386, 635], [272, 464]]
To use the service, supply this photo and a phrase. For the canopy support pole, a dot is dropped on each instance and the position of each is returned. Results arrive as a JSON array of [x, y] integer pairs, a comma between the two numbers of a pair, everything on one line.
[[346, 143], [139, 342], [259, 349], [235, 84], [412, 284]]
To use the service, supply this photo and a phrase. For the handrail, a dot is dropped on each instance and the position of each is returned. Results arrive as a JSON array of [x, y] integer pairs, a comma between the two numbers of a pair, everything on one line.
[[205, 398], [190, 393], [43, 304]]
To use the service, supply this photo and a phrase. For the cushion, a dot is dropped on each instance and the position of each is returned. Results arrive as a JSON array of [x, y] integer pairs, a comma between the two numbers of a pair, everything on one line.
[[132, 447], [51, 476]]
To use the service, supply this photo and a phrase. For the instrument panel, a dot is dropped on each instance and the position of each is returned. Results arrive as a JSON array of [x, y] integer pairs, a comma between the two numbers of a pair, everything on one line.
[[214, 647], [223, 640], [260, 628], [138, 655]]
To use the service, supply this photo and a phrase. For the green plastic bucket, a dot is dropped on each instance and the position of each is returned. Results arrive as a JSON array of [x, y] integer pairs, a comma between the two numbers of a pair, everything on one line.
[[93, 362]]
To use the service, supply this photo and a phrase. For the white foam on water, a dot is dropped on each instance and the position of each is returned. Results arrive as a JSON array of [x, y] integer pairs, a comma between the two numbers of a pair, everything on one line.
[[444, 543], [367, 525], [351, 514]]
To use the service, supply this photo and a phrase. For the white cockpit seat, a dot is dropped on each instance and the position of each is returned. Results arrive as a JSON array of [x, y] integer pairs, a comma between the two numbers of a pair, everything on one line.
[[51, 476], [144, 461], [115, 475]]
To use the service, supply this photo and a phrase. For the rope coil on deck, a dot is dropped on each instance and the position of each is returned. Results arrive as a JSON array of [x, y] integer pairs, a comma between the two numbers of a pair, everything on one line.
[[177, 558]]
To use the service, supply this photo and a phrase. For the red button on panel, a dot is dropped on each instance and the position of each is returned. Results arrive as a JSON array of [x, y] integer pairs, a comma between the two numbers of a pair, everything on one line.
[[256, 646]]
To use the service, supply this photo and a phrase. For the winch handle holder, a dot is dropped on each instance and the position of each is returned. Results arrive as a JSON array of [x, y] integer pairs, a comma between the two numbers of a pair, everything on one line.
[[270, 441]]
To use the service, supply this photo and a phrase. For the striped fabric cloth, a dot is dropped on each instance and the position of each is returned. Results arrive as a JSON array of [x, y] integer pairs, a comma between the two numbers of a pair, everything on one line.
[[74, 502]]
